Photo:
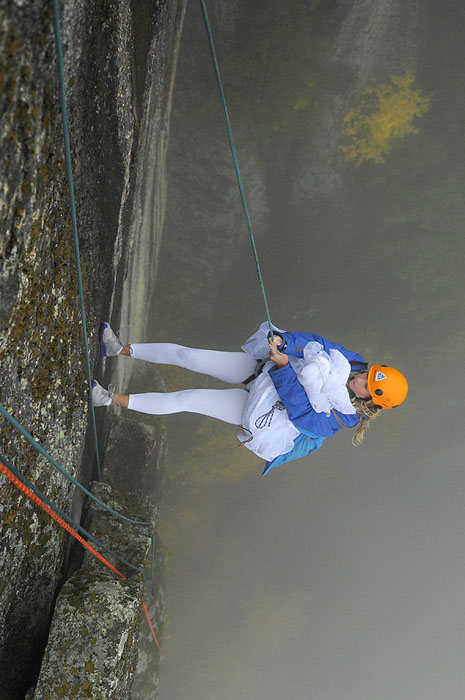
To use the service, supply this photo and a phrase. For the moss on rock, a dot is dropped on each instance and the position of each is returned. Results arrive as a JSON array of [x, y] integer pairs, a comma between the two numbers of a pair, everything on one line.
[[97, 615]]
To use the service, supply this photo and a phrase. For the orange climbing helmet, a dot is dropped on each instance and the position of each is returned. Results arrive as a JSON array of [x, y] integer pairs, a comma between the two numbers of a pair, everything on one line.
[[387, 386]]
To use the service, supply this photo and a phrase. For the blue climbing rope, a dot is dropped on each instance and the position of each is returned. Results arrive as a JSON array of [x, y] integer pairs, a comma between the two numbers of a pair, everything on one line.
[[66, 517], [63, 471], [235, 160], [69, 172], [88, 493], [12, 420]]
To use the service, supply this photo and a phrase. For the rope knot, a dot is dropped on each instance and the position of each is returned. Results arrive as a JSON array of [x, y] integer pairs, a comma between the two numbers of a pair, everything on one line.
[[265, 420]]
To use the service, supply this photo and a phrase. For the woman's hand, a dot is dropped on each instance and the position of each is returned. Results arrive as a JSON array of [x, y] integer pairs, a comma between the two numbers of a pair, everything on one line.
[[275, 340], [279, 358]]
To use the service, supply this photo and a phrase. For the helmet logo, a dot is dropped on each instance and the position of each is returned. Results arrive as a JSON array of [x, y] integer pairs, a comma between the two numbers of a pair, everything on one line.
[[387, 386]]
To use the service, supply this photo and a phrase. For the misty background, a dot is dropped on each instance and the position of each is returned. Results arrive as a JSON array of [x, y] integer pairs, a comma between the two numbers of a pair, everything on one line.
[[339, 575]]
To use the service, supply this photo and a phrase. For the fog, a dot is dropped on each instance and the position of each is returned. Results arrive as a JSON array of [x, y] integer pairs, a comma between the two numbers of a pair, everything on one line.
[[339, 575]]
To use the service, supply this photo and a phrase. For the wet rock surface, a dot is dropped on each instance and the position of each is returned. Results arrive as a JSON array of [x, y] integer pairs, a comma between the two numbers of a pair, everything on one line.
[[43, 378]]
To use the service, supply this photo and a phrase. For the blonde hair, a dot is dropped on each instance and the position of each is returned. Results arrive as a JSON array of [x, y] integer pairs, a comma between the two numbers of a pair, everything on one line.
[[367, 411]]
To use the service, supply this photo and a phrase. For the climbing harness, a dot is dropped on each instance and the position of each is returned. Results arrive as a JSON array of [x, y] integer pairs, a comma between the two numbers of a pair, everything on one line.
[[257, 371]]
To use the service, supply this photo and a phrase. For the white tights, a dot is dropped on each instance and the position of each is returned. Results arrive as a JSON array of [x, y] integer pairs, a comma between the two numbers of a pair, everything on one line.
[[225, 404]]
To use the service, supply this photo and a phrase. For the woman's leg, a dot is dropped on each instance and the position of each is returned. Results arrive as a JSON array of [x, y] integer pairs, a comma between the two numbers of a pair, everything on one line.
[[231, 367], [225, 404]]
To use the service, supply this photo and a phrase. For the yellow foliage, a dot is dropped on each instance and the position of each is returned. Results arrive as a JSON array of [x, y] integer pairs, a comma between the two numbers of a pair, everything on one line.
[[385, 113], [304, 97], [215, 456], [180, 519], [300, 103]]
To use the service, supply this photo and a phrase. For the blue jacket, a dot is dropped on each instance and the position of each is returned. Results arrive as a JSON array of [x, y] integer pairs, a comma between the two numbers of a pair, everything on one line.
[[314, 427]]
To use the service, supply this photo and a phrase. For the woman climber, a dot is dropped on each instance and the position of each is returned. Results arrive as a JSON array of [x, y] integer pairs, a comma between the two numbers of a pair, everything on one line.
[[307, 389]]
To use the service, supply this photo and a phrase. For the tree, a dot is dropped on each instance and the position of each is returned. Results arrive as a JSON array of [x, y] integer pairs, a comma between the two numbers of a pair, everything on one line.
[[385, 113]]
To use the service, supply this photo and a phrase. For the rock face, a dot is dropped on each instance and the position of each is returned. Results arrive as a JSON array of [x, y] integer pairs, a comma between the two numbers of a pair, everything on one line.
[[43, 384], [43, 381], [133, 454], [93, 641]]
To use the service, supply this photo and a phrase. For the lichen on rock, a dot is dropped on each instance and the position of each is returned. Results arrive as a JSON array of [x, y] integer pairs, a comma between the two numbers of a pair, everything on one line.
[[93, 642], [44, 385]]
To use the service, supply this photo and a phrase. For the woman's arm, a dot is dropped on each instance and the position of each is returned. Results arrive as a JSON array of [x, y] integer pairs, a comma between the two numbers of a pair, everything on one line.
[[297, 404], [294, 343], [299, 408]]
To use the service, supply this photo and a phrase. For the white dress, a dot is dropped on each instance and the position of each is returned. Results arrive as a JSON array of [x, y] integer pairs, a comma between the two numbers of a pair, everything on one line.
[[267, 430]]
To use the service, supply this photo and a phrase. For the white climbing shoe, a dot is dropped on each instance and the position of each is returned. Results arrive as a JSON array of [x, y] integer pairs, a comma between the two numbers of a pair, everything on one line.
[[101, 396], [110, 344]]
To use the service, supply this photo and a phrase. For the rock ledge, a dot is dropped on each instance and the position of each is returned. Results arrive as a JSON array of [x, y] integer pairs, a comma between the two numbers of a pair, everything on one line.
[[93, 642]]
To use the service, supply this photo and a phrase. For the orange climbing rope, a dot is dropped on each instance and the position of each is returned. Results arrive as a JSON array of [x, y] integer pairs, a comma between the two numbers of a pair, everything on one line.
[[151, 627], [30, 494]]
